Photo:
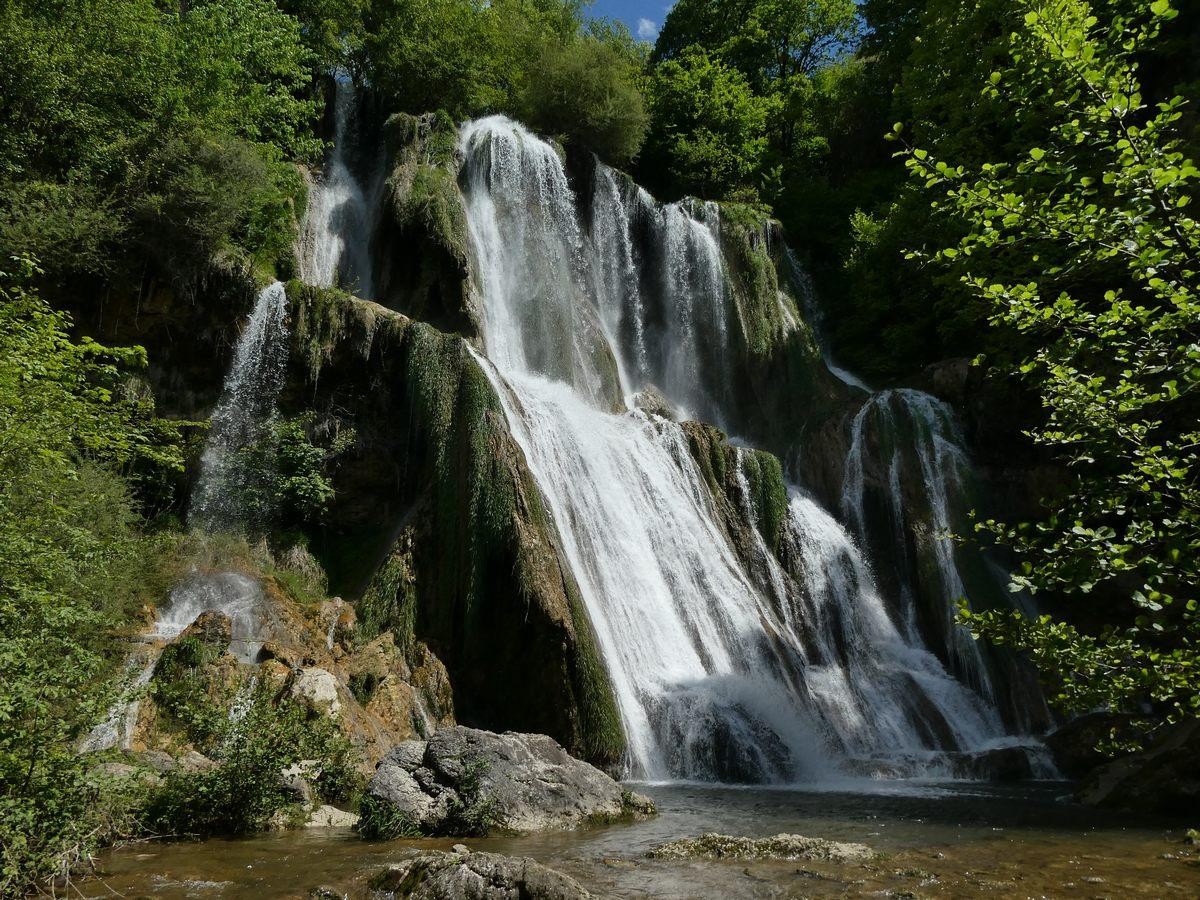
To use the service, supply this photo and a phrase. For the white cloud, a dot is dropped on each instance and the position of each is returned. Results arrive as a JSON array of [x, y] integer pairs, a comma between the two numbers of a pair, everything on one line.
[[647, 30]]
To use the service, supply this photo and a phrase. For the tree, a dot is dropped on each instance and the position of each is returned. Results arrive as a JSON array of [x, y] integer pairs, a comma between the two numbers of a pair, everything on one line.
[[74, 569], [590, 88], [101, 103], [710, 130], [768, 41], [1089, 249]]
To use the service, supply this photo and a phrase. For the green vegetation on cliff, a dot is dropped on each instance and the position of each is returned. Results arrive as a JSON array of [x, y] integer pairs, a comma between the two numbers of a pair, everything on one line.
[[1102, 202], [75, 568], [136, 135]]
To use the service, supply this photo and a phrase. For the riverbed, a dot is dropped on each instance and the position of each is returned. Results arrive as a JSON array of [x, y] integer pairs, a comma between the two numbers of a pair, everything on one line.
[[934, 840]]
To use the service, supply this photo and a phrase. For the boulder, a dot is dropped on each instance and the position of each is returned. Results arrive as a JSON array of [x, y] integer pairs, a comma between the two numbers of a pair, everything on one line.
[[192, 761], [1164, 779], [212, 628], [158, 760], [463, 875], [467, 781], [297, 780], [650, 400], [331, 817], [318, 690], [781, 846]]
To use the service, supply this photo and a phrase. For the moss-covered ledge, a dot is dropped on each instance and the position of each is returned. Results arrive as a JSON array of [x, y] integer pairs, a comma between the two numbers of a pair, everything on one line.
[[421, 245], [747, 485], [437, 484]]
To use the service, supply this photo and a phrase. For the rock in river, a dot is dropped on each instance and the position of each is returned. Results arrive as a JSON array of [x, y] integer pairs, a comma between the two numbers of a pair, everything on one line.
[[466, 781], [781, 846], [463, 875]]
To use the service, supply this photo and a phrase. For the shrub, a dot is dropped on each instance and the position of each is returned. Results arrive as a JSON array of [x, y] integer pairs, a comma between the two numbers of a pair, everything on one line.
[[245, 791], [589, 89]]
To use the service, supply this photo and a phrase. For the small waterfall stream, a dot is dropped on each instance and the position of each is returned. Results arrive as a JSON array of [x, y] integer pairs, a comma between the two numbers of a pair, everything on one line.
[[335, 236], [247, 404], [218, 502], [721, 673]]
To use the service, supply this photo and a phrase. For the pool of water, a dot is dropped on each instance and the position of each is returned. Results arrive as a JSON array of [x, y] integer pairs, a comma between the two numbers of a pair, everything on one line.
[[934, 841]]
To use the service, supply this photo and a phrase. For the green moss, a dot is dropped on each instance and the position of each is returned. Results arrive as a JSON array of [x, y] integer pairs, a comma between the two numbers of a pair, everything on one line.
[[707, 445], [390, 602], [423, 186], [327, 319], [718, 461], [768, 494], [599, 719], [755, 282]]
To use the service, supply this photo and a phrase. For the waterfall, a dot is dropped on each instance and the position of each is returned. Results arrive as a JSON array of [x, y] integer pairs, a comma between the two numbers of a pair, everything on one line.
[[816, 319], [334, 245], [941, 467], [219, 501], [119, 723], [221, 497], [723, 668], [237, 596]]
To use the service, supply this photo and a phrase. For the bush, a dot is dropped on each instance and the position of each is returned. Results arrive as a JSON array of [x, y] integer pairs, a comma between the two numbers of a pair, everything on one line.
[[245, 791], [589, 89], [74, 571]]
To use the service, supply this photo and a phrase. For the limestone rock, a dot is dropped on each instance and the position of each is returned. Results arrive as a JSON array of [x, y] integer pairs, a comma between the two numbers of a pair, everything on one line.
[[781, 846], [475, 876], [318, 690], [463, 780], [158, 760], [298, 780], [331, 817], [212, 628], [651, 400], [193, 761], [340, 622], [125, 773]]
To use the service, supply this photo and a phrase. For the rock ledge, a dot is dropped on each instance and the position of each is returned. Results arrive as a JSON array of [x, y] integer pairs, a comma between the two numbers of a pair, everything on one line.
[[781, 846]]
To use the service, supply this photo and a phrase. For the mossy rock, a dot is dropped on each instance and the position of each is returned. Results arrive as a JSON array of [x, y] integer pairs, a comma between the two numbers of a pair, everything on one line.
[[462, 553], [422, 242]]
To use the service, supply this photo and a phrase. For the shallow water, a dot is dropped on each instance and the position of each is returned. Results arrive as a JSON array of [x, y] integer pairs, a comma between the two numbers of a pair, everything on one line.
[[935, 841]]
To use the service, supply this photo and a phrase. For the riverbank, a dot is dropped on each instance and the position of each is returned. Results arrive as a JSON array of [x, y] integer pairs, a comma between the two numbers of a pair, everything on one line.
[[934, 840]]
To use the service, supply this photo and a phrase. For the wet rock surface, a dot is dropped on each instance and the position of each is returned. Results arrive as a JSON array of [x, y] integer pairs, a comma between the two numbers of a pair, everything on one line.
[[463, 875], [781, 846], [464, 780], [1164, 779]]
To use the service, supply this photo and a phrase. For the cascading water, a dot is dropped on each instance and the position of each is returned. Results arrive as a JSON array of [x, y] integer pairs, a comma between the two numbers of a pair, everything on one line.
[[334, 245], [722, 671], [247, 404], [942, 468]]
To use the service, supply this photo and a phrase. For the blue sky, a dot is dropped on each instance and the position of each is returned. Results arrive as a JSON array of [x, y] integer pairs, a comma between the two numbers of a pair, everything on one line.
[[644, 17]]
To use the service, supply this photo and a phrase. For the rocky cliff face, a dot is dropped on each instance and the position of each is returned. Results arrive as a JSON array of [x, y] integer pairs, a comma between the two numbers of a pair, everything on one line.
[[438, 525], [311, 652]]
